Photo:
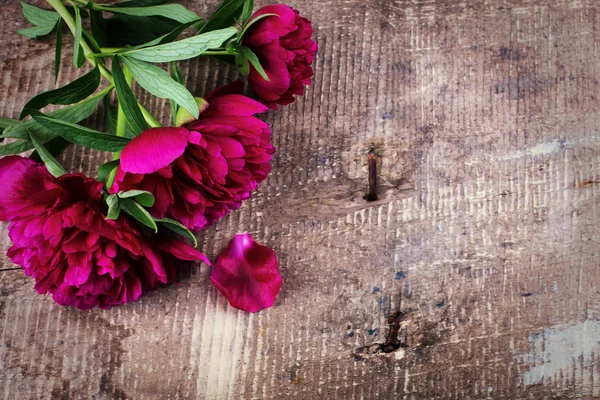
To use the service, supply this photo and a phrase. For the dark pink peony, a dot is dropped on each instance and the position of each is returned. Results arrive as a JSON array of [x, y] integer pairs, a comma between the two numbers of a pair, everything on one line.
[[247, 274], [285, 49], [201, 171], [61, 239]]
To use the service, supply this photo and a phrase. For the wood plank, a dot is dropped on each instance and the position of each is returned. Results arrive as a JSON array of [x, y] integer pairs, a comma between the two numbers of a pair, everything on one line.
[[481, 252]]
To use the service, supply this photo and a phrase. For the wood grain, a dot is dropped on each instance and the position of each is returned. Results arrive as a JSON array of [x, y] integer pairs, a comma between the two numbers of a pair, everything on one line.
[[479, 261]]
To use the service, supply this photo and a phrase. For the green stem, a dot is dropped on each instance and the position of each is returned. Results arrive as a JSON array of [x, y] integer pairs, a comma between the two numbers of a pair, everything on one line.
[[68, 18], [217, 53], [89, 54]]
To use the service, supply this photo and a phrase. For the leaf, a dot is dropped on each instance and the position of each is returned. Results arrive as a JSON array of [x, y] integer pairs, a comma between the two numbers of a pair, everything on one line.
[[71, 93], [38, 16], [16, 147], [127, 99], [247, 25], [58, 49], [225, 15], [166, 38], [114, 208], [159, 83], [178, 228], [80, 135], [178, 77], [184, 117], [140, 3], [77, 50], [6, 122], [75, 113], [55, 147], [143, 197], [138, 212], [35, 31], [176, 12], [106, 168], [241, 62], [247, 11], [249, 54], [130, 30], [182, 49], [98, 25], [51, 164]]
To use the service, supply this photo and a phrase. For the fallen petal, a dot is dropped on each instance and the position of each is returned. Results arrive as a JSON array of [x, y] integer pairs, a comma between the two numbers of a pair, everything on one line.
[[247, 274]]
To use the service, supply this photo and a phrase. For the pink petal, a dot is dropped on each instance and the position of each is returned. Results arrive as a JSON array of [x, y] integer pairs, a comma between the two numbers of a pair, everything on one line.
[[247, 274], [234, 105], [270, 28], [21, 178], [153, 149], [235, 87]]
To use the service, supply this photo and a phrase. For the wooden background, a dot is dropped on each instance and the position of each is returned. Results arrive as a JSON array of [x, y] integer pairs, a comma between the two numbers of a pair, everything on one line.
[[479, 264]]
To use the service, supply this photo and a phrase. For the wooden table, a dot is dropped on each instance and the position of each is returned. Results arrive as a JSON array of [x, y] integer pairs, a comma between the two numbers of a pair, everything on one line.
[[475, 275]]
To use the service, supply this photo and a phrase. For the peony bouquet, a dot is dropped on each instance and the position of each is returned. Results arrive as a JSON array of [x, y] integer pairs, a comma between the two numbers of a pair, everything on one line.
[[107, 240]]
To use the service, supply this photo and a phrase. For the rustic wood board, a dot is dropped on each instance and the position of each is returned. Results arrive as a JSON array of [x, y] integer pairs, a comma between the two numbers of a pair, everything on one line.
[[482, 251]]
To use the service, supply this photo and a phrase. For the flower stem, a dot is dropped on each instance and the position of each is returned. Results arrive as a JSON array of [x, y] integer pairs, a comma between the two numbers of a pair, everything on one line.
[[217, 53], [60, 8]]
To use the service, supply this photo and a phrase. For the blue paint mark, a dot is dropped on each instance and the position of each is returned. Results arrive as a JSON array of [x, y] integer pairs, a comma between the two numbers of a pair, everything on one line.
[[537, 335], [375, 290], [373, 331], [441, 304], [350, 334], [528, 294], [400, 275]]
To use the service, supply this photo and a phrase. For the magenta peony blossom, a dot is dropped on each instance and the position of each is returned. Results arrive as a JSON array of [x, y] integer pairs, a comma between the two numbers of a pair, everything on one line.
[[201, 171], [247, 274], [285, 49], [61, 239]]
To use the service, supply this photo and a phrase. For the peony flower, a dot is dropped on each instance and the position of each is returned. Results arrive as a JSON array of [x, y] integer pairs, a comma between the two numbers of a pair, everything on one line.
[[246, 273], [285, 49], [61, 238], [201, 171]]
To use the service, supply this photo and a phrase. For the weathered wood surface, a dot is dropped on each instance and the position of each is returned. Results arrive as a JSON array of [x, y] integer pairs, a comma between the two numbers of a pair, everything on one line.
[[485, 237]]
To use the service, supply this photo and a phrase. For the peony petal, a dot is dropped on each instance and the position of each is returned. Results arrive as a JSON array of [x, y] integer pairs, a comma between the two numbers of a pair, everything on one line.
[[235, 87], [270, 28], [153, 149], [234, 105], [21, 179], [247, 274], [181, 250]]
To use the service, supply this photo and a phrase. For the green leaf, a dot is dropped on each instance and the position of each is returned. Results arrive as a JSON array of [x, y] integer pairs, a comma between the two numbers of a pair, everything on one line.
[[80, 135], [16, 147], [178, 228], [6, 122], [35, 31], [138, 212], [160, 84], [249, 54], [55, 147], [58, 49], [241, 62], [51, 164], [178, 77], [105, 169], [140, 3], [184, 117], [77, 50], [114, 208], [127, 99], [71, 93], [182, 49], [141, 196], [247, 25], [75, 113], [225, 15], [166, 38], [247, 11], [38, 16], [176, 12]]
